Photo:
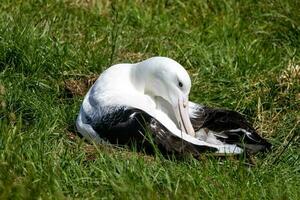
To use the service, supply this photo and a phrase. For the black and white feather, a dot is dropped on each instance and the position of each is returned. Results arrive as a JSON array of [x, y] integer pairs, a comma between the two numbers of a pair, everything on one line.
[[128, 99], [226, 126]]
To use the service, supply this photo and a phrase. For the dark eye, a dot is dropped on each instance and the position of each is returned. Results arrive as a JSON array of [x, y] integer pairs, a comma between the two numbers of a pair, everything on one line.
[[180, 84]]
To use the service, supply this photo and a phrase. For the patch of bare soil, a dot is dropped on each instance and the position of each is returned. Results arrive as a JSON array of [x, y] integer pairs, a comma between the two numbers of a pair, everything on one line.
[[79, 86]]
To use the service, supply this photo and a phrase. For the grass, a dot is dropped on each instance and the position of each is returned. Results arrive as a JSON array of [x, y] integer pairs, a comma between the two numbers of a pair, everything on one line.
[[240, 55]]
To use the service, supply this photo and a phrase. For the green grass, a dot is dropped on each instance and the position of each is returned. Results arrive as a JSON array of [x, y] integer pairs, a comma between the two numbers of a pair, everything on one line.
[[240, 55]]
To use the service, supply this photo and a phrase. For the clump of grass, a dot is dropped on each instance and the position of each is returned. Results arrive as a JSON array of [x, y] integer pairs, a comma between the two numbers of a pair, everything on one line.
[[290, 77]]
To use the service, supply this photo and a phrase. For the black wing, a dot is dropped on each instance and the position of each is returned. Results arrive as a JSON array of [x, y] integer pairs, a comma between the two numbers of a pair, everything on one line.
[[121, 125], [124, 125], [228, 126], [171, 143]]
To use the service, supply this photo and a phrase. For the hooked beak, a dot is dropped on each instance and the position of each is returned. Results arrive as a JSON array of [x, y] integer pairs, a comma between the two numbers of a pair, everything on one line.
[[182, 116]]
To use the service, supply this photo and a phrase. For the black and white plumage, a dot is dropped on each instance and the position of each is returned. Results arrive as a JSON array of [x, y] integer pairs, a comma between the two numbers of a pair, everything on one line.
[[127, 99]]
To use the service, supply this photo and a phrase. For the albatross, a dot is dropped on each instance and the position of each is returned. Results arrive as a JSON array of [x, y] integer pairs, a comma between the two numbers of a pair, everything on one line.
[[129, 100]]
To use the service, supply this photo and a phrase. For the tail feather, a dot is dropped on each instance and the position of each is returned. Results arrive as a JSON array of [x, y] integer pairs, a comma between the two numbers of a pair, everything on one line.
[[229, 127]]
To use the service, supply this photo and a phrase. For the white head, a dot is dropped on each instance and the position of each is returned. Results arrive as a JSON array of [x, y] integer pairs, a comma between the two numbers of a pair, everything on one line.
[[166, 79]]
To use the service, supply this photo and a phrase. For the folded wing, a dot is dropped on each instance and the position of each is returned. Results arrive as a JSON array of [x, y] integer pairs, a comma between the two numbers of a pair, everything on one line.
[[227, 126]]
